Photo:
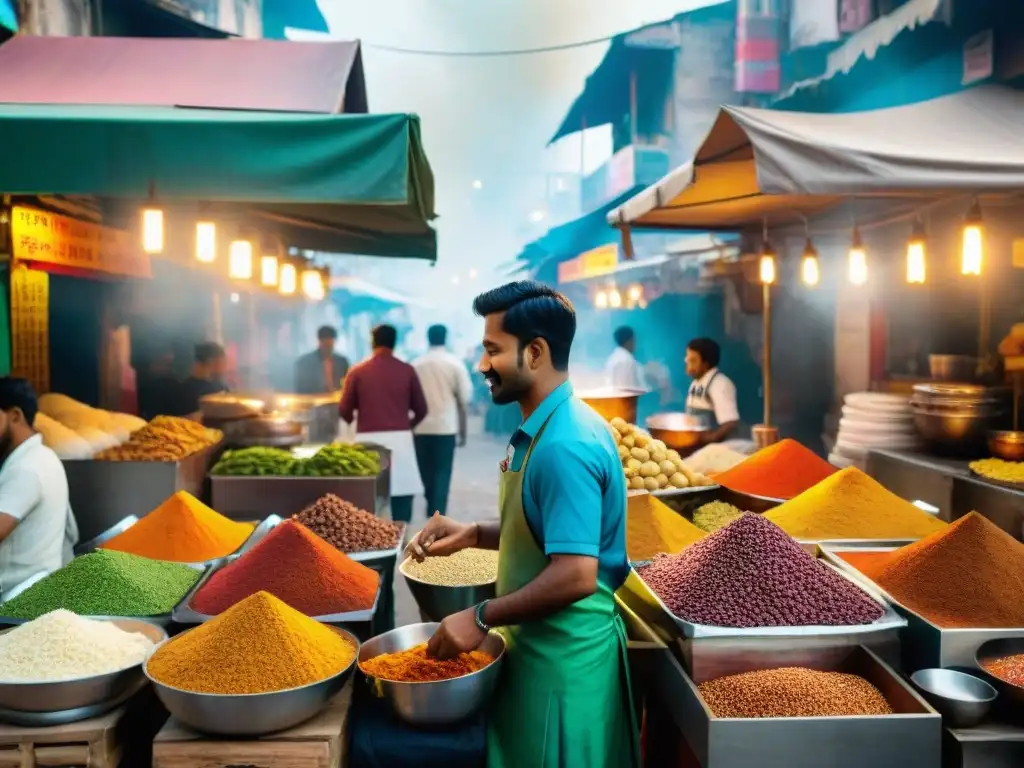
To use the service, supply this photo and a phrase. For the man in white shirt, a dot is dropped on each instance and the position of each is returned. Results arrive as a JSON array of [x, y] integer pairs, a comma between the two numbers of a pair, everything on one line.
[[448, 390], [622, 371], [37, 527], [712, 396]]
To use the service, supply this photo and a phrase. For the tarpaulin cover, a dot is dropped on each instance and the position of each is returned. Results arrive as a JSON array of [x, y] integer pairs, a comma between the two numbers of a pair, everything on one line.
[[757, 163], [354, 295], [339, 183]]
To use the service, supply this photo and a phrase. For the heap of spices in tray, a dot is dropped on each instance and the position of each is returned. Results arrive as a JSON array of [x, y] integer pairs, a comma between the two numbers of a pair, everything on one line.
[[106, 583], [62, 646], [852, 505], [865, 562], [296, 566], [165, 438], [751, 574], [257, 646], [968, 575], [183, 530], [1009, 669], [780, 471], [415, 666], [714, 515], [793, 692], [347, 527], [465, 568], [1000, 470], [652, 527]]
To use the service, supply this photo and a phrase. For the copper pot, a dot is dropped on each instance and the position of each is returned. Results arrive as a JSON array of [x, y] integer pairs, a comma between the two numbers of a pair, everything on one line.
[[676, 430], [612, 403], [1007, 445]]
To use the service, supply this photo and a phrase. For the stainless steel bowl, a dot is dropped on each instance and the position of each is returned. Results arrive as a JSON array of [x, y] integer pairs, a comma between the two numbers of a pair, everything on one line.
[[1007, 445], [435, 703], [676, 430], [1000, 649], [954, 368], [252, 714], [955, 431], [611, 403], [963, 700], [60, 695], [438, 602]]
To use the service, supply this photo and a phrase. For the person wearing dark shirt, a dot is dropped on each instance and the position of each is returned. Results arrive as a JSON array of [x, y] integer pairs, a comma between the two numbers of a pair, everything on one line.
[[384, 398], [207, 378], [321, 370]]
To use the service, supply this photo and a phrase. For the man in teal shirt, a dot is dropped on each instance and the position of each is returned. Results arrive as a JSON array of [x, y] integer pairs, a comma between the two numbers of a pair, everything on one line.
[[564, 697]]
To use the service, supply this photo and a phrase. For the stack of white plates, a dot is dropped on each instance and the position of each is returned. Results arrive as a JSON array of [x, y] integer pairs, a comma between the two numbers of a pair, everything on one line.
[[873, 421]]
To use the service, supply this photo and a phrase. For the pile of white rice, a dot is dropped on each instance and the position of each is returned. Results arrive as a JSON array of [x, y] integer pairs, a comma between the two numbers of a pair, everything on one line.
[[61, 645]]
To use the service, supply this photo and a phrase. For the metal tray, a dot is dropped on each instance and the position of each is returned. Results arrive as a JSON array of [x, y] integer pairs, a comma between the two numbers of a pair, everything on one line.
[[912, 736], [184, 614], [367, 556], [161, 620], [64, 716], [259, 530], [671, 493]]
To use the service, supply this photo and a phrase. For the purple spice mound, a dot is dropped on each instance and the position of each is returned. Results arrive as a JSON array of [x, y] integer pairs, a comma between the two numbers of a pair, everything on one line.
[[752, 574]]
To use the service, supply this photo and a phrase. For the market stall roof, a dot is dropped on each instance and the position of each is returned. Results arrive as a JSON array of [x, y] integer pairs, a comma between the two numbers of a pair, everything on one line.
[[267, 75], [758, 164], [357, 295], [336, 183]]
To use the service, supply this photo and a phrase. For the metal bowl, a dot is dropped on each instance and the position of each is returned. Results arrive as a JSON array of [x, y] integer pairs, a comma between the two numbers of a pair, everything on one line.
[[963, 700], [1000, 649], [955, 431], [953, 368], [252, 714], [611, 403], [60, 695], [434, 703], [1008, 445], [676, 430], [438, 602]]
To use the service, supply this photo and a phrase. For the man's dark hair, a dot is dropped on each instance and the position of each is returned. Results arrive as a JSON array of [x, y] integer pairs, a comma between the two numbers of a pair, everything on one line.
[[325, 332], [533, 311], [708, 350], [623, 335], [384, 336], [18, 393], [208, 351], [437, 335]]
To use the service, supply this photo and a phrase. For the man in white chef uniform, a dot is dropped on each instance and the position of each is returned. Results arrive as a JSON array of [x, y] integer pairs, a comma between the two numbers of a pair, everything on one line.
[[384, 397]]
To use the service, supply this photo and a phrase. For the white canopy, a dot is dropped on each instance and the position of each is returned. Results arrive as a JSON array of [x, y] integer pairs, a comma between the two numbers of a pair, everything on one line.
[[758, 164]]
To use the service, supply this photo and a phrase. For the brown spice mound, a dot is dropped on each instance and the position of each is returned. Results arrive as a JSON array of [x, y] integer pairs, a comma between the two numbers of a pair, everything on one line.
[[1009, 669], [347, 527], [793, 692], [414, 666], [968, 575]]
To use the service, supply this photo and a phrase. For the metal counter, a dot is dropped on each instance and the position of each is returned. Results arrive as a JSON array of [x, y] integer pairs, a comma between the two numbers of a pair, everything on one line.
[[990, 745]]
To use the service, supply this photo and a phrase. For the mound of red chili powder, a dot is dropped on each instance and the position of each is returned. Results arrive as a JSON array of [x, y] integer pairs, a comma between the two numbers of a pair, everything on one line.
[[780, 471], [296, 566]]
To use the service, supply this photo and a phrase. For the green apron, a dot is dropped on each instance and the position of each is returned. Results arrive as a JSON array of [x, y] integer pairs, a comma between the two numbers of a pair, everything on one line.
[[564, 696]]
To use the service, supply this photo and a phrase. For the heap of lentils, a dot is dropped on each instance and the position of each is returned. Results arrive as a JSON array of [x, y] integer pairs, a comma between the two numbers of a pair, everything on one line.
[[793, 692], [465, 568], [347, 527], [751, 574], [106, 583], [714, 515]]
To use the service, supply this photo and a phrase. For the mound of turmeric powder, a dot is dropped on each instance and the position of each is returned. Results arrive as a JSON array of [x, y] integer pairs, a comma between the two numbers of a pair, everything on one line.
[[653, 527]]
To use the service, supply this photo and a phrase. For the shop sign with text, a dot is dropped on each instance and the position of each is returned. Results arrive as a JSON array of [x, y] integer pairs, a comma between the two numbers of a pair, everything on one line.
[[30, 326]]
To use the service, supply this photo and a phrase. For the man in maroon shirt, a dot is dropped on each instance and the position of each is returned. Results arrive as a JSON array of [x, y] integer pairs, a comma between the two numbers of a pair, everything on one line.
[[384, 397]]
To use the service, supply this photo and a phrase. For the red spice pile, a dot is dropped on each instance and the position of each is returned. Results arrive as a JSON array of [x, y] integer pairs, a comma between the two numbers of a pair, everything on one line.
[[296, 566], [780, 471]]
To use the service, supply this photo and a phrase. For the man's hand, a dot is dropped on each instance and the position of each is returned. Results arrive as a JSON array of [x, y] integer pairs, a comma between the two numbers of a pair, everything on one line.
[[457, 634], [441, 536], [460, 442]]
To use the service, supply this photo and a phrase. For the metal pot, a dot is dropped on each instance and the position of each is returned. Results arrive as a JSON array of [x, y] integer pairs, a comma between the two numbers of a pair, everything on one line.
[[611, 403], [1007, 445], [953, 367], [960, 432], [676, 430]]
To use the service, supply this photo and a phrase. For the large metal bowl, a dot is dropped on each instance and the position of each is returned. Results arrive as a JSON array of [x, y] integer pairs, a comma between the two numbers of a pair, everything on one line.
[[1007, 445], [60, 695], [677, 430], [434, 703], [252, 714], [955, 431], [963, 700], [611, 403], [953, 368], [1000, 649], [438, 602]]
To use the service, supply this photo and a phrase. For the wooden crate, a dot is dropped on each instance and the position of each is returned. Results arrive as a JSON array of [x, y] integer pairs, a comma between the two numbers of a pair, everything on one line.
[[321, 742], [92, 743]]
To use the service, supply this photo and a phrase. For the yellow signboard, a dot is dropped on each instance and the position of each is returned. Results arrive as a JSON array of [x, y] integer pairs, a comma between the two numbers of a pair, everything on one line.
[[50, 238], [600, 261], [30, 326]]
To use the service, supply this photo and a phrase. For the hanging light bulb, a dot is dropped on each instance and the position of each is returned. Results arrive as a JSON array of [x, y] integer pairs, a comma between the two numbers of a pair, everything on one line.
[[240, 260], [206, 242], [601, 299], [973, 247], [312, 284], [152, 230], [858, 268], [636, 292], [268, 270], [810, 268], [916, 266], [287, 279], [614, 298], [766, 264]]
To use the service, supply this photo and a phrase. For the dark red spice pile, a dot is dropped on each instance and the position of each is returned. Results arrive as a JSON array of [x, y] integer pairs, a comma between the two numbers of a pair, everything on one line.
[[296, 566], [752, 574]]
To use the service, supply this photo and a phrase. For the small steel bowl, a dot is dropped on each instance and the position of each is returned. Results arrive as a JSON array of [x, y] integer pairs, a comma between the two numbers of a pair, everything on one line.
[[678, 431], [1007, 445], [442, 702], [1000, 649], [61, 695], [250, 714], [439, 601], [963, 700]]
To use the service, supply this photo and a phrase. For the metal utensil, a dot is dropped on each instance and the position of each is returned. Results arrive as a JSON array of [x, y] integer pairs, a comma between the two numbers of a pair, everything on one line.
[[611, 403], [1008, 444], [438, 601], [676, 430], [994, 650], [957, 431], [252, 714], [953, 368], [962, 699], [433, 703]]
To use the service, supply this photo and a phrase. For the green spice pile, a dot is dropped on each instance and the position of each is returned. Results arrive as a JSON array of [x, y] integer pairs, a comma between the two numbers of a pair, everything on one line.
[[714, 515], [338, 460], [106, 583]]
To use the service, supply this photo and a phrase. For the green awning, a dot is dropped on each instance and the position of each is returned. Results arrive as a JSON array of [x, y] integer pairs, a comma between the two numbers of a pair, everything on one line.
[[338, 183]]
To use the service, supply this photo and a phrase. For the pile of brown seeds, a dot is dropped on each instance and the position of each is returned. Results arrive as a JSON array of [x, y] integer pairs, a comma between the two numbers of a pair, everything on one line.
[[347, 527], [1009, 669], [793, 692]]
